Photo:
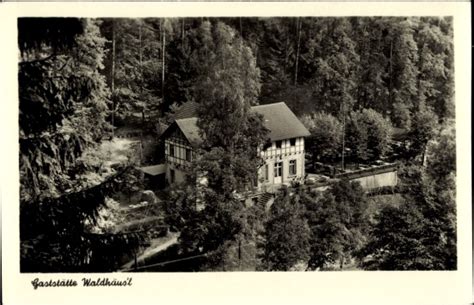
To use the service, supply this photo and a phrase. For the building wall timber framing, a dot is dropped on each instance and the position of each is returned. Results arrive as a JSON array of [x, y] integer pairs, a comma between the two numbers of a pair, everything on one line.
[[176, 147], [285, 154]]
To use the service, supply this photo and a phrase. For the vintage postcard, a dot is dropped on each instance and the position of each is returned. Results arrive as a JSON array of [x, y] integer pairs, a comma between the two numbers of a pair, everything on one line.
[[236, 152]]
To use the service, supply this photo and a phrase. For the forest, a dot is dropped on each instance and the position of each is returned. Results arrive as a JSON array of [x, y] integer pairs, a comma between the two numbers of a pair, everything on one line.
[[380, 87]]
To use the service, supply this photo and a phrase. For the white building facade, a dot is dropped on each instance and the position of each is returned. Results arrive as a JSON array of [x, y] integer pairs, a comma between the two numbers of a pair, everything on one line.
[[284, 155], [284, 163]]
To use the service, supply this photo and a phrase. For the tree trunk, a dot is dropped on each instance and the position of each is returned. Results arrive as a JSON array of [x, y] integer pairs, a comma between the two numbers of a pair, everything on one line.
[[143, 107], [391, 76], [298, 29], [343, 132], [420, 90], [163, 64], [140, 53], [112, 83]]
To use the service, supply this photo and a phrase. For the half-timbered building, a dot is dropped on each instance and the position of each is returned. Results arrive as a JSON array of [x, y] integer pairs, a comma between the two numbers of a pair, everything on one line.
[[284, 155]]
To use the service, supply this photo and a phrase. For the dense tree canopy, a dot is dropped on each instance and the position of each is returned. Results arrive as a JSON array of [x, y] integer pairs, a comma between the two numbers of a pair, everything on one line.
[[63, 105], [369, 134], [287, 235], [421, 233], [227, 84], [326, 136], [338, 222], [313, 64], [349, 79]]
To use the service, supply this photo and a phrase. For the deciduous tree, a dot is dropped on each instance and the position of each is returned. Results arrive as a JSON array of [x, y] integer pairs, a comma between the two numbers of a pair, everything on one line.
[[369, 134], [227, 85], [421, 233], [326, 135], [287, 235], [338, 222]]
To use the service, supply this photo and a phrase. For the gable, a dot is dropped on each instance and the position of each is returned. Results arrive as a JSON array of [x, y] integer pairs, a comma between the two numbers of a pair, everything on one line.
[[277, 117], [190, 130], [174, 132], [281, 121], [184, 129]]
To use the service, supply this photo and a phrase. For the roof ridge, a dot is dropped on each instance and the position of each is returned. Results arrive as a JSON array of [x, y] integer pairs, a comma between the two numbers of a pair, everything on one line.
[[271, 104], [184, 119]]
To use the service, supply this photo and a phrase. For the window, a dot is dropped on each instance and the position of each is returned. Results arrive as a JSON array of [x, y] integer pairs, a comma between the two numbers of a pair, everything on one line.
[[293, 142], [292, 169], [278, 169], [266, 173], [171, 150], [172, 175], [188, 154], [278, 144]]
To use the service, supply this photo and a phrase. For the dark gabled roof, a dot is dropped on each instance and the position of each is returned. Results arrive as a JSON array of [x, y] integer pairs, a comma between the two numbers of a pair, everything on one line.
[[281, 121], [184, 127], [190, 130], [277, 117], [186, 111]]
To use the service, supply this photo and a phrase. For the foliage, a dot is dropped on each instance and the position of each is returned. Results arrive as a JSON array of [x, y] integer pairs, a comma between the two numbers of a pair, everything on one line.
[[403, 61], [401, 116], [337, 65], [441, 156], [338, 222], [276, 45], [64, 90], [56, 34], [421, 233], [137, 66], [369, 134], [381, 63], [404, 239], [361, 70], [399, 247], [215, 230], [326, 136], [205, 229], [229, 154], [435, 48], [440, 180], [63, 183], [60, 234], [393, 65], [287, 235], [373, 77], [227, 84], [225, 90], [425, 127], [331, 53]]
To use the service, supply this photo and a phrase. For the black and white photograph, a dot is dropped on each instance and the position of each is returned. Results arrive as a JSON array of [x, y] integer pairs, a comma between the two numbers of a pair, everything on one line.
[[237, 144]]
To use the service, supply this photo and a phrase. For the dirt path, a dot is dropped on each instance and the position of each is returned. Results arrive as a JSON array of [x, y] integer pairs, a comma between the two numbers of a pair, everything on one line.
[[155, 247]]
